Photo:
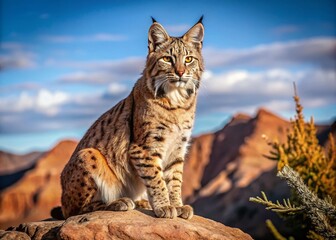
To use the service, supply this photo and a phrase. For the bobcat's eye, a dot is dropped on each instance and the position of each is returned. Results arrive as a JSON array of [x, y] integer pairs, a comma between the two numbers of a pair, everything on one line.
[[188, 59], [166, 59]]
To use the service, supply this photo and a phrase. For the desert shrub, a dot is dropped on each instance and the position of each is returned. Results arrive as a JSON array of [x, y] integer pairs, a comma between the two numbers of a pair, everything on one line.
[[310, 171]]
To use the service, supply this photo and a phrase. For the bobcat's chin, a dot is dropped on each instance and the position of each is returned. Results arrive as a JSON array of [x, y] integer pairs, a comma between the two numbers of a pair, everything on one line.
[[178, 84]]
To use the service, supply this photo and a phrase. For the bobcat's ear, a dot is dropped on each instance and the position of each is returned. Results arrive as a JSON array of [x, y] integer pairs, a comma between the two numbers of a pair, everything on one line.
[[195, 34], [157, 35]]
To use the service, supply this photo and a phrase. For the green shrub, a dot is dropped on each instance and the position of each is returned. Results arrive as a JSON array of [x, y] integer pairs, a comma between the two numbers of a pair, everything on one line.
[[311, 174]]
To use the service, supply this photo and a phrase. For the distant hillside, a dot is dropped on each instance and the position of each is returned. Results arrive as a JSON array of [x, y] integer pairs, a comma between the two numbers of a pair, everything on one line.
[[13, 166], [222, 171], [227, 167], [10, 162], [32, 197]]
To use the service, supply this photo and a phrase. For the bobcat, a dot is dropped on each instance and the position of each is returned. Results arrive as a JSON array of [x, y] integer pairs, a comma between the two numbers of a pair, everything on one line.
[[137, 148]]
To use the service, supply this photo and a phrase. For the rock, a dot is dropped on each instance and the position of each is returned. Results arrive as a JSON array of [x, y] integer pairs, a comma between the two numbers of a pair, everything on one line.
[[39, 230], [13, 235], [198, 158], [128, 225], [38, 191], [232, 157]]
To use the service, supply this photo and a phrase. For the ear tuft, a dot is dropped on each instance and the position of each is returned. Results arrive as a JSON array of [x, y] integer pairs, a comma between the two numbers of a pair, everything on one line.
[[201, 19], [157, 36], [153, 19]]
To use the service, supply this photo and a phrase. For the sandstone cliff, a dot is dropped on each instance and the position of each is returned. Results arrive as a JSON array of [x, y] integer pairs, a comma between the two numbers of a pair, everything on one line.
[[39, 190], [231, 157], [227, 167]]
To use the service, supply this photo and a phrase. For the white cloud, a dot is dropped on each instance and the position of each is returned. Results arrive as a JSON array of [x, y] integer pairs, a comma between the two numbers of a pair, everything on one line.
[[19, 60], [15, 56], [97, 37], [126, 65], [48, 102], [44, 102], [242, 90], [48, 110], [273, 81], [116, 88], [206, 75], [277, 105], [86, 77], [24, 86], [101, 71], [319, 83], [314, 51]]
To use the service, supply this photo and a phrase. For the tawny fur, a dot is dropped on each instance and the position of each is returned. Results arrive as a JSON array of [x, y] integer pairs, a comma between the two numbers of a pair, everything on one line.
[[138, 147]]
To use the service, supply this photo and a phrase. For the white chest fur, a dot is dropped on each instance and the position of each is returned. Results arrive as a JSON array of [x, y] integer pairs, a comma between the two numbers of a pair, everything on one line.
[[176, 146]]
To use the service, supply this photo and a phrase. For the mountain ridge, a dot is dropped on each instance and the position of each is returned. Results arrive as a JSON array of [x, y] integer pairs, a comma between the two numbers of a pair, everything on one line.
[[222, 170], [32, 197]]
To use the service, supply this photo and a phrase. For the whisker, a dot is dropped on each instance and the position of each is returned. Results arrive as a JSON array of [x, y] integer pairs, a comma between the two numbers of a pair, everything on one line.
[[155, 93], [159, 81]]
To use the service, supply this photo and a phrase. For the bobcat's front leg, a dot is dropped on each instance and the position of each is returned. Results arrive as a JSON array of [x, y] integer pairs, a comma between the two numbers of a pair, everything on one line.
[[173, 174], [148, 165]]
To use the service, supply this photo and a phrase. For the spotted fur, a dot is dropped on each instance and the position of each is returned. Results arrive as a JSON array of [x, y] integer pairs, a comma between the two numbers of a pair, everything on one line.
[[137, 148]]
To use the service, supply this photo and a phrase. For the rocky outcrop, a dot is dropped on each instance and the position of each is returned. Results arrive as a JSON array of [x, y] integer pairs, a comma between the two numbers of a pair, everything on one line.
[[128, 225], [231, 157], [13, 235], [39, 190], [199, 155]]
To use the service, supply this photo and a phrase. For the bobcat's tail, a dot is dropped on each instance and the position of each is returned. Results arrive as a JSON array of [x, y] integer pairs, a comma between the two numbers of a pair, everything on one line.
[[56, 213]]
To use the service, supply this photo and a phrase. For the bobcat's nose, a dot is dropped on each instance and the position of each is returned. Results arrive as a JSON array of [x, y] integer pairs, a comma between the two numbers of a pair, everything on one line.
[[180, 72]]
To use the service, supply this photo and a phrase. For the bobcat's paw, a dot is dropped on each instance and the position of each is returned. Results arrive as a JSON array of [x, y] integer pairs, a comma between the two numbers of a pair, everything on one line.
[[166, 212], [122, 204], [185, 212], [144, 204]]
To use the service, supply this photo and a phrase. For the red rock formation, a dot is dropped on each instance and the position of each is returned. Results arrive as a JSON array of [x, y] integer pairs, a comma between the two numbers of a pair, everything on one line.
[[32, 197], [10, 163], [234, 153], [199, 156], [227, 167], [222, 171]]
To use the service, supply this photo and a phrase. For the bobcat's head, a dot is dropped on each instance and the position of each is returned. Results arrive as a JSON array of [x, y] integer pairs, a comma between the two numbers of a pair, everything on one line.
[[174, 64]]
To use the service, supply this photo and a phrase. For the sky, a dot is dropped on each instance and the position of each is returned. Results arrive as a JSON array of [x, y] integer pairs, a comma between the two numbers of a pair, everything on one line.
[[64, 63]]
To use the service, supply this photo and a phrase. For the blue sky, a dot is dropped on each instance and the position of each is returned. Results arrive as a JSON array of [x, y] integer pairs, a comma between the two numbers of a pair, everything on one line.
[[64, 63]]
